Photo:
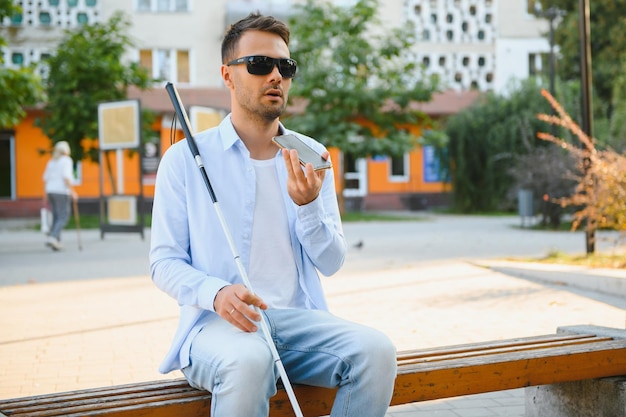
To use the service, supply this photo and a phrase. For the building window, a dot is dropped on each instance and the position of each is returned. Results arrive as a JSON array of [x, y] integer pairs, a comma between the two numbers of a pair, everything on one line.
[[53, 2], [43, 67], [16, 19], [449, 18], [481, 35], [533, 6], [182, 66], [17, 58], [433, 18], [44, 18], [481, 61], [489, 77], [426, 34], [426, 61], [82, 18], [91, 3], [464, 26], [466, 61], [417, 9], [449, 35], [442, 61], [72, 3], [488, 18], [162, 5], [537, 63], [399, 168], [458, 77], [472, 10], [143, 5], [165, 64]]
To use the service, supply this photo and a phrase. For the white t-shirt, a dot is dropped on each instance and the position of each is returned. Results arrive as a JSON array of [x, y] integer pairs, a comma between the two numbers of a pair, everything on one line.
[[57, 170], [273, 273]]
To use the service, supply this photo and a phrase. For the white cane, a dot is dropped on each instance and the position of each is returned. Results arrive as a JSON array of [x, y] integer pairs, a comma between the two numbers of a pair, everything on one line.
[[184, 120], [77, 221]]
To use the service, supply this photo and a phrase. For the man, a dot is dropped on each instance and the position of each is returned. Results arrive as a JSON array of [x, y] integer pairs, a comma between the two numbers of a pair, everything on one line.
[[285, 225]]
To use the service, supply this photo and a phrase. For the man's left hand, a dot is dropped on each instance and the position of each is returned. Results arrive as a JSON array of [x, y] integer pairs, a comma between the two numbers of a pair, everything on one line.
[[303, 185]]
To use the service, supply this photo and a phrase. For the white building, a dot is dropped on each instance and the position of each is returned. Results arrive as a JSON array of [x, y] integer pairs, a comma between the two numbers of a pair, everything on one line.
[[470, 44]]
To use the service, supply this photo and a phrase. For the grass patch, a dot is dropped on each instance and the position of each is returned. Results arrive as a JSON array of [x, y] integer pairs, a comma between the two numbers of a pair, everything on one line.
[[358, 216], [594, 260]]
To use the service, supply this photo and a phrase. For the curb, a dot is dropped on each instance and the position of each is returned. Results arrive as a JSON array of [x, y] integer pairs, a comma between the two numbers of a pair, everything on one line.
[[601, 280]]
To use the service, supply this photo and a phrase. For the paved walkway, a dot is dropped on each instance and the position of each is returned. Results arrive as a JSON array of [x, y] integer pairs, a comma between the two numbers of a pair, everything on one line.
[[80, 319]]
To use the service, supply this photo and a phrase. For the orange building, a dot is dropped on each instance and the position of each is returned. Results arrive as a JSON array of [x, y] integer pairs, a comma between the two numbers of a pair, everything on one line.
[[377, 183]]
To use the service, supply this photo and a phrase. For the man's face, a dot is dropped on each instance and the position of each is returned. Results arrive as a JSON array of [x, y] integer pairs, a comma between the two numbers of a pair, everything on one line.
[[261, 95]]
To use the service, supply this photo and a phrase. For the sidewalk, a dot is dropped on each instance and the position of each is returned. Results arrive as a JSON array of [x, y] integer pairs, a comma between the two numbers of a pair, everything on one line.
[[114, 326]]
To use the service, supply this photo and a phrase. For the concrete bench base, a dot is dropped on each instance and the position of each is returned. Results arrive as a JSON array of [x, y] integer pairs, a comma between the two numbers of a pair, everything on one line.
[[604, 397]]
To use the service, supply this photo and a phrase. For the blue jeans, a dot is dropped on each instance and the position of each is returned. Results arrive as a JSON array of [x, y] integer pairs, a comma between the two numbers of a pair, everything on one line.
[[61, 210], [315, 347]]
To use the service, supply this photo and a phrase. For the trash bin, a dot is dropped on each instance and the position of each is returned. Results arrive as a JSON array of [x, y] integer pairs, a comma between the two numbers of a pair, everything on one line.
[[525, 204]]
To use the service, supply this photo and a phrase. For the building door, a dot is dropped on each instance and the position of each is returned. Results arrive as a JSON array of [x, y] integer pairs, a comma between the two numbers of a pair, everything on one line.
[[7, 166]]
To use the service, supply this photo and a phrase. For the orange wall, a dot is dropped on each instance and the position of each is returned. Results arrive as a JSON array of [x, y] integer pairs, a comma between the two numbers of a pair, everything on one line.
[[378, 177], [32, 152], [32, 149]]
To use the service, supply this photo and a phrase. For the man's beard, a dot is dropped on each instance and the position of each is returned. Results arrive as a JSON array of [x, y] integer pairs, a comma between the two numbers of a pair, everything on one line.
[[271, 113]]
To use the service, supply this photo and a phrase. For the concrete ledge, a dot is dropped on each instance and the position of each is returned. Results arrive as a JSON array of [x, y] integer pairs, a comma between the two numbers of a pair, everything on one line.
[[597, 330], [604, 397], [602, 280]]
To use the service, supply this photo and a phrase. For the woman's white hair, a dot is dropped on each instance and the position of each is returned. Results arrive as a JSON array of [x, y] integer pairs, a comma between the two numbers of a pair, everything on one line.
[[61, 148]]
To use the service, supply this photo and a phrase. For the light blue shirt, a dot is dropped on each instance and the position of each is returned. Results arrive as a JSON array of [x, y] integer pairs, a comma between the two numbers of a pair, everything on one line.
[[189, 255]]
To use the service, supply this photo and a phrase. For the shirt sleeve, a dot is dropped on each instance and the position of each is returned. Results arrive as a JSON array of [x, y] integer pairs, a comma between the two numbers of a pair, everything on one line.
[[319, 229], [170, 261]]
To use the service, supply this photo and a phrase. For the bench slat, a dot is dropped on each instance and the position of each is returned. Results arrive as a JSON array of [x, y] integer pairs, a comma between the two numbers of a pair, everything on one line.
[[105, 402], [465, 353], [99, 392], [481, 346]]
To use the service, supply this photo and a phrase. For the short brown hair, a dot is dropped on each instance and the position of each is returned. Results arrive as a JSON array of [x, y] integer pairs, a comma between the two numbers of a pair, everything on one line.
[[254, 21]]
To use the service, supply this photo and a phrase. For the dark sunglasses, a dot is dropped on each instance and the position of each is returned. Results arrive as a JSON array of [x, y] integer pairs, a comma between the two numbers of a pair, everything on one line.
[[263, 65]]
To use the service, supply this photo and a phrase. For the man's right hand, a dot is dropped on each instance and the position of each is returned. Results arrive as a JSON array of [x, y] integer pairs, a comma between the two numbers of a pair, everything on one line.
[[233, 303]]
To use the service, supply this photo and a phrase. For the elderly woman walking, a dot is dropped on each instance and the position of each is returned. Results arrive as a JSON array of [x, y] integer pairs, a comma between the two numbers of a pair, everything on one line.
[[59, 180]]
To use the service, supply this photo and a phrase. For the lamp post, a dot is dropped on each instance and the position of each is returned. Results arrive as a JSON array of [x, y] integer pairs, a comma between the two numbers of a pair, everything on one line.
[[587, 119]]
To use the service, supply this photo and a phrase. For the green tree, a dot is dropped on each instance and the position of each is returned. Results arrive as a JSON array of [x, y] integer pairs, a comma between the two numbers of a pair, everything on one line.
[[19, 88], [608, 49], [87, 69], [357, 84], [486, 140]]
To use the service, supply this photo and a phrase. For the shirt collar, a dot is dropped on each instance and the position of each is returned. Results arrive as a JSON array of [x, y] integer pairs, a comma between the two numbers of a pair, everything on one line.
[[229, 136]]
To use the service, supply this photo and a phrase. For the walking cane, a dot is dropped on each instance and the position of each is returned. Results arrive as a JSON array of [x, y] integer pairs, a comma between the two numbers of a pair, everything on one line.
[[77, 221], [184, 121]]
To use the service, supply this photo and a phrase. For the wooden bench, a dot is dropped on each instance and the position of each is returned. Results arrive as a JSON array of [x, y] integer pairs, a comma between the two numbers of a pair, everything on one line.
[[424, 374]]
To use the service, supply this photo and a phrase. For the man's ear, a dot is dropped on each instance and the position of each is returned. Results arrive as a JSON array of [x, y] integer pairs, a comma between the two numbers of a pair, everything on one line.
[[226, 76]]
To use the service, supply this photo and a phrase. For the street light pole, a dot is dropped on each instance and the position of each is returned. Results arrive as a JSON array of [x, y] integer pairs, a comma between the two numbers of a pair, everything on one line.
[[587, 118]]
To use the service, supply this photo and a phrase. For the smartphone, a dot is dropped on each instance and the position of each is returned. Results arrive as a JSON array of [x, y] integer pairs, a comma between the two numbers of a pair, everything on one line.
[[305, 152]]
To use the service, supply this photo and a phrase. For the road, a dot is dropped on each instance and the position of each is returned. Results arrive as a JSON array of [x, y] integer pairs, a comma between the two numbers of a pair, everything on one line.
[[383, 244]]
